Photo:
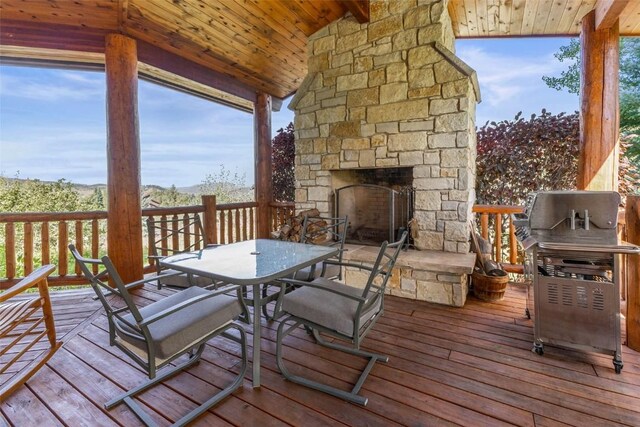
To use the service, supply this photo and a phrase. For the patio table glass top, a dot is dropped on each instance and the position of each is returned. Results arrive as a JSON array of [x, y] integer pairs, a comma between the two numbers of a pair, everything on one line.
[[251, 261]]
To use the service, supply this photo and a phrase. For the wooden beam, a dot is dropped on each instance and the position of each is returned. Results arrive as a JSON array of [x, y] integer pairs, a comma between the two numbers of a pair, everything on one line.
[[608, 12], [51, 36], [599, 119], [359, 9], [263, 172], [182, 67], [632, 219], [124, 210]]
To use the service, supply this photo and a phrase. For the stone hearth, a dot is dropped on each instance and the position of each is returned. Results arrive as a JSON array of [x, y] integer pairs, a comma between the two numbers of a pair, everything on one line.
[[387, 94]]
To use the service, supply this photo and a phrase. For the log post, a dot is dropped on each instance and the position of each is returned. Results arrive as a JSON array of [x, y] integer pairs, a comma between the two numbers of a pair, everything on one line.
[[632, 219], [124, 212], [263, 184], [599, 119], [210, 220]]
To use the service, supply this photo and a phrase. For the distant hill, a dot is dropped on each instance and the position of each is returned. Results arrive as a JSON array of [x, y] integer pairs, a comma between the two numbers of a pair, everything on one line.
[[87, 189]]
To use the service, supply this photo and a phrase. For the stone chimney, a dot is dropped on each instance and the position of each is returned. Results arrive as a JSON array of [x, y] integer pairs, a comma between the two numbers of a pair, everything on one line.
[[389, 94]]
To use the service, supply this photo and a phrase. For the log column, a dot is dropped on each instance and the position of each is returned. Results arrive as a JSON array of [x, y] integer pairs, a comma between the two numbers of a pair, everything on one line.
[[124, 220], [632, 219], [599, 121], [263, 180]]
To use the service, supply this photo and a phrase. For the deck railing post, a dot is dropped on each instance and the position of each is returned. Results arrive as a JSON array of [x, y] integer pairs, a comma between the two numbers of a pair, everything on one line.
[[263, 181], [632, 219], [210, 219]]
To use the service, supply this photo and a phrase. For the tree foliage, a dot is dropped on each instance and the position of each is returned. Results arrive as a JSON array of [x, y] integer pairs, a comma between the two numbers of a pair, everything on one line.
[[33, 195], [629, 85], [519, 156], [228, 187], [283, 154]]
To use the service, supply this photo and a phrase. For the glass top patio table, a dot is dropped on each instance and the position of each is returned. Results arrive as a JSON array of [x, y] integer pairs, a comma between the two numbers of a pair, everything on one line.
[[250, 263]]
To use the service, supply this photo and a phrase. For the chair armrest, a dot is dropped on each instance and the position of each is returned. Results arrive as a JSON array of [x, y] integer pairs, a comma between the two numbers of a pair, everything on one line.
[[323, 288], [150, 279], [164, 313], [28, 282]]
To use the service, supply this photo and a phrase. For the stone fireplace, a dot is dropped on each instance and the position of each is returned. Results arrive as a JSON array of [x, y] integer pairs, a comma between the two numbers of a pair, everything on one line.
[[391, 95]]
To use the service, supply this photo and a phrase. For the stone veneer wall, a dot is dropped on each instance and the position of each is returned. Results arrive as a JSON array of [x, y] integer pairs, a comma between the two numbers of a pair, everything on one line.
[[391, 93]]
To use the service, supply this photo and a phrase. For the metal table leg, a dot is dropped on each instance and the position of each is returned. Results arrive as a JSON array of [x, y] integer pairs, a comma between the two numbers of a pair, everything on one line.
[[256, 335]]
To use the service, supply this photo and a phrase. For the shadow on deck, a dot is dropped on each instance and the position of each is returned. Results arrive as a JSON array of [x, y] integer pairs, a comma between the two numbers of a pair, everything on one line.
[[448, 366]]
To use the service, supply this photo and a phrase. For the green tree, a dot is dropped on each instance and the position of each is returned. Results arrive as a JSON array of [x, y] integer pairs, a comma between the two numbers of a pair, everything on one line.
[[228, 187], [283, 165], [629, 85]]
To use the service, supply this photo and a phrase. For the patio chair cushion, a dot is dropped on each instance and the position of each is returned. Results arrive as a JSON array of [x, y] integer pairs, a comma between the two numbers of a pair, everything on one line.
[[327, 309], [331, 271], [182, 280], [182, 328]]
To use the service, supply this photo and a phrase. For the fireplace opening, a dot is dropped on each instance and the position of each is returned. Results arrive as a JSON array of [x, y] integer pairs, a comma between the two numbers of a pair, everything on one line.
[[378, 203]]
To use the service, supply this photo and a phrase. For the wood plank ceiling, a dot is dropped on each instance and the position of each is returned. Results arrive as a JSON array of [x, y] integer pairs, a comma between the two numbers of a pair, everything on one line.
[[259, 45], [514, 18]]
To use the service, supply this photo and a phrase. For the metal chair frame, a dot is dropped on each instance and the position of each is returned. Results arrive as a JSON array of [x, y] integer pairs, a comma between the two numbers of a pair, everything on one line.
[[336, 233], [370, 296], [175, 230], [105, 293]]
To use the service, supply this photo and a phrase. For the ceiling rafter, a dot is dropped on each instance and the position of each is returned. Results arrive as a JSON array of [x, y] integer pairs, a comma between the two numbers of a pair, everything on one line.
[[608, 12]]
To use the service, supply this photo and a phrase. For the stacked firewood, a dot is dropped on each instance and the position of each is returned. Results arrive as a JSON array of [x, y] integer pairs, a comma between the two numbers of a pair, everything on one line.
[[292, 230]]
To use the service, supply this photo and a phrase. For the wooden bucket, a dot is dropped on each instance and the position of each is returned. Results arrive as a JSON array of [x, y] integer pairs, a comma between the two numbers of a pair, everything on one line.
[[489, 288]]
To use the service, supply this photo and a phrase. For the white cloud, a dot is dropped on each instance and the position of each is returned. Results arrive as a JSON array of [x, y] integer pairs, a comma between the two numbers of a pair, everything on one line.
[[511, 81], [70, 87]]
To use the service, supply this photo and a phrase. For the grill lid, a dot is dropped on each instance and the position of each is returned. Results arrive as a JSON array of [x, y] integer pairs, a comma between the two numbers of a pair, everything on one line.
[[551, 208]]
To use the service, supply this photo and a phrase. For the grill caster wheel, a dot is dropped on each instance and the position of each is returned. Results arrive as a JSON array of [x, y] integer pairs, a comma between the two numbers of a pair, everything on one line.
[[617, 366], [527, 313], [538, 349]]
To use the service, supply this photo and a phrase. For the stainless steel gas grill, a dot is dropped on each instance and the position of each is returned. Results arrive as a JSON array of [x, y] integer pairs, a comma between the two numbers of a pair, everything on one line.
[[573, 254]]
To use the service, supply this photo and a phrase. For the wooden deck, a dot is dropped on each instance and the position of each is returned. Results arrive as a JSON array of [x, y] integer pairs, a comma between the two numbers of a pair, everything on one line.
[[469, 366]]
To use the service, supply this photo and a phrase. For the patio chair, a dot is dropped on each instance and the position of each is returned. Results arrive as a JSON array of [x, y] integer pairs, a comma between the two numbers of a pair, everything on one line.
[[169, 236], [317, 230], [156, 335], [341, 311], [25, 320]]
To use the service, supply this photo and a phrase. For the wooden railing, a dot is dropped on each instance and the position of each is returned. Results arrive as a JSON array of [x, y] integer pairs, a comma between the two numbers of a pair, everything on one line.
[[32, 239], [42, 238], [494, 216]]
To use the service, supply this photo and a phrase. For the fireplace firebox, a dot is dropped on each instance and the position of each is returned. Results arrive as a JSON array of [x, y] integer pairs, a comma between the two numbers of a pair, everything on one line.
[[376, 213]]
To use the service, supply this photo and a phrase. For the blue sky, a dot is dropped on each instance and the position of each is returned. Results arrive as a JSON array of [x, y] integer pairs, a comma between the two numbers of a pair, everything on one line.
[[52, 122]]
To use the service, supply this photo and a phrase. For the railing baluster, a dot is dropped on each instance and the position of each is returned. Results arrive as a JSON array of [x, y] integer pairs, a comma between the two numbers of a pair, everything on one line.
[[79, 246], [163, 237], [63, 240], [498, 242], [513, 249], [230, 227], [28, 248], [251, 229], [484, 225], [196, 237], [175, 236], [44, 241], [238, 226], [10, 249], [222, 233], [95, 242], [186, 236], [244, 223]]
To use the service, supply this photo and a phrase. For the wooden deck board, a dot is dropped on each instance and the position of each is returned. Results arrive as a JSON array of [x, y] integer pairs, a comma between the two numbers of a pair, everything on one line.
[[448, 366]]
